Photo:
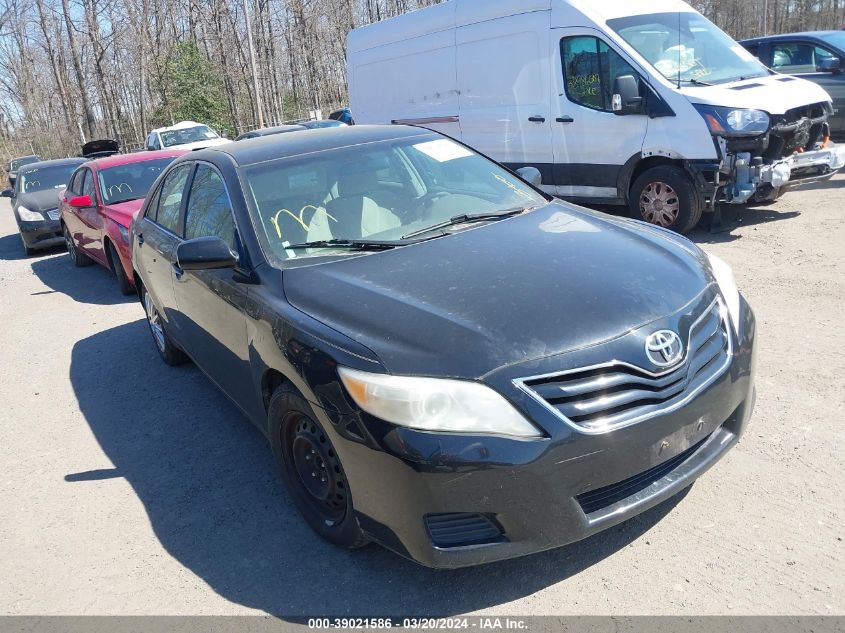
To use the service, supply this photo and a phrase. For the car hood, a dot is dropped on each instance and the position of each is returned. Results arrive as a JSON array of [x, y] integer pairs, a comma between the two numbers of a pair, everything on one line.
[[775, 94], [212, 142], [122, 212], [554, 280], [40, 200]]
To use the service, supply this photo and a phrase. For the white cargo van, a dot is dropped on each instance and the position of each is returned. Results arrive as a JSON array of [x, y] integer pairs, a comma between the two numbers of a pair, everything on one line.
[[645, 103]]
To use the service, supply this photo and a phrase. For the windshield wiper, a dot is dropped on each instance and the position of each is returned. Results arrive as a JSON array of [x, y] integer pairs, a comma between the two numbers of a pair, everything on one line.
[[361, 245], [466, 218], [696, 82]]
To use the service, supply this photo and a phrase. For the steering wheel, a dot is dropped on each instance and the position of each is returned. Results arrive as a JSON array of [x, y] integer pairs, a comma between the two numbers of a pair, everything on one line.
[[422, 209]]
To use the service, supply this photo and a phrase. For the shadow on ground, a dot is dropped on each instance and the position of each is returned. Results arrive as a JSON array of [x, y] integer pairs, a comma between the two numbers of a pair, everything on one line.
[[11, 248], [208, 483], [734, 218], [89, 284]]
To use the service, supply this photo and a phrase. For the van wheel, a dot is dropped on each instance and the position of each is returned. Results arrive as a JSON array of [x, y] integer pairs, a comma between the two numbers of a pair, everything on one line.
[[311, 469], [666, 196], [78, 258], [169, 353], [117, 266]]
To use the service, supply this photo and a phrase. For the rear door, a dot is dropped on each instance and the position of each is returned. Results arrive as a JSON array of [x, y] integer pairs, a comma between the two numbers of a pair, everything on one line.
[[157, 236], [211, 303], [591, 143], [503, 74]]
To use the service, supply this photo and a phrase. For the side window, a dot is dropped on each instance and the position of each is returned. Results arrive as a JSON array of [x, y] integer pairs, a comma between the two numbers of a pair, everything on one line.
[[796, 58], [754, 49], [152, 206], [589, 70], [88, 185], [209, 212], [170, 198], [75, 182]]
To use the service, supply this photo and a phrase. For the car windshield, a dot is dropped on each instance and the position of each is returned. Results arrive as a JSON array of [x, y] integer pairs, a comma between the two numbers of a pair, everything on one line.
[[687, 47], [41, 178], [20, 162], [130, 182], [376, 193], [169, 138]]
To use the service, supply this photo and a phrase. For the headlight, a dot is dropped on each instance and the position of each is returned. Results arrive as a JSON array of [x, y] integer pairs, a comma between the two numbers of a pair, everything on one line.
[[29, 216], [727, 284], [124, 232], [730, 122], [436, 404]]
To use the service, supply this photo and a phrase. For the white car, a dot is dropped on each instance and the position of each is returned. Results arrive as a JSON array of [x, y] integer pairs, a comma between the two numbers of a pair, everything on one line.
[[184, 135]]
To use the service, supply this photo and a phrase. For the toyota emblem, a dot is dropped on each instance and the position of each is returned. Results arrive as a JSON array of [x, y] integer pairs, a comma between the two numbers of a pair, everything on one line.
[[664, 348]]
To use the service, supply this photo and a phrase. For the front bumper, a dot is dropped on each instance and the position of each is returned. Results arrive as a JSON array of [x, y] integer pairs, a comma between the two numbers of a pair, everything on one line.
[[41, 234], [804, 168], [538, 494]]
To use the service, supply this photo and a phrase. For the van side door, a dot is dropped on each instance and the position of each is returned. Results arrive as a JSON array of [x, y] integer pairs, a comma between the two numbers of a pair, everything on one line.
[[503, 80], [591, 143]]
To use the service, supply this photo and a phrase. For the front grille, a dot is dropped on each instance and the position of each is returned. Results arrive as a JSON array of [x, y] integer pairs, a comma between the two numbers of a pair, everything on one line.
[[800, 129], [53, 214], [617, 394], [458, 529], [601, 498]]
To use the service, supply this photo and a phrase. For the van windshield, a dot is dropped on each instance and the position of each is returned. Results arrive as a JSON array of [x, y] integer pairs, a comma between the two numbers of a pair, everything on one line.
[[687, 47]]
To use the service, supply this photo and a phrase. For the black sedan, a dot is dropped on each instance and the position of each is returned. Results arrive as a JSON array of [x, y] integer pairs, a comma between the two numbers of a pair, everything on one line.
[[818, 56], [444, 359], [35, 201]]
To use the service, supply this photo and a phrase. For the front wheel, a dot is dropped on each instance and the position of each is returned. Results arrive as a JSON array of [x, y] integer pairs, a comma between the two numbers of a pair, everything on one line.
[[169, 353], [666, 196], [126, 288], [311, 470], [78, 258]]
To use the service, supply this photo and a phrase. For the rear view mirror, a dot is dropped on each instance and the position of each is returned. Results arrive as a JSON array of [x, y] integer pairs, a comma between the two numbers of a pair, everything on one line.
[[626, 95], [531, 175], [80, 202], [7, 193], [205, 253], [830, 65]]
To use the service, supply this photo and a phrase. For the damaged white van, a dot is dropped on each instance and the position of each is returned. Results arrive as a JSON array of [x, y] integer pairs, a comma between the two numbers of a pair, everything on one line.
[[647, 104]]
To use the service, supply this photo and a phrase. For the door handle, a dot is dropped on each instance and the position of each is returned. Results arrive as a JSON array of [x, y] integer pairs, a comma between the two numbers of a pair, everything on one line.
[[537, 119], [178, 270], [140, 238], [565, 119]]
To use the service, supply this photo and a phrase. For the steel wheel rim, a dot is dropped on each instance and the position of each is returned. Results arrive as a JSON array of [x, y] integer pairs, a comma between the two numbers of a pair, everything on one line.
[[659, 204], [318, 469], [154, 319]]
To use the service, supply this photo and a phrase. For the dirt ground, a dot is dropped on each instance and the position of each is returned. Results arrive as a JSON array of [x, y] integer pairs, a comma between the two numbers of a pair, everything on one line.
[[129, 487]]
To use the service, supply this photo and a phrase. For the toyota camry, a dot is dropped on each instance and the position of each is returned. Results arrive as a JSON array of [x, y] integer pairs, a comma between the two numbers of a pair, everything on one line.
[[444, 360]]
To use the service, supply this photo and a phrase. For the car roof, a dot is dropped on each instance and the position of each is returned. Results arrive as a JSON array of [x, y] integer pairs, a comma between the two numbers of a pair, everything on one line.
[[787, 36], [14, 158], [270, 147], [137, 157], [58, 162]]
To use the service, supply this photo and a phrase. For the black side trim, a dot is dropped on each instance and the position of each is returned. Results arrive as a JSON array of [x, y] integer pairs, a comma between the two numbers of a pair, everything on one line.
[[575, 174]]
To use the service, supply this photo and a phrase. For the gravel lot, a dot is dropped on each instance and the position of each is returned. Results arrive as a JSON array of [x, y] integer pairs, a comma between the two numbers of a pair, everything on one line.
[[132, 488]]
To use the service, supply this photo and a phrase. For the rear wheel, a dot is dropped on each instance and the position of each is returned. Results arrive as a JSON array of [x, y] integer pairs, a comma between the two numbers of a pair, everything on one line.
[[170, 354], [665, 196], [78, 258], [311, 469], [117, 266]]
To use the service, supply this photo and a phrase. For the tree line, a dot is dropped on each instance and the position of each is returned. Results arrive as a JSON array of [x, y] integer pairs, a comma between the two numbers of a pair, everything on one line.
[[77, 70]]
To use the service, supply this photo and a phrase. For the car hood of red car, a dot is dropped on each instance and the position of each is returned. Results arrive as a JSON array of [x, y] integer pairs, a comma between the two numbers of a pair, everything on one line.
[[122, 212]]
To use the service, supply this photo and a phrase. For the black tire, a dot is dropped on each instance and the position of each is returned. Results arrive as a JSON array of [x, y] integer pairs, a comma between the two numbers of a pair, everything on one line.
[[78, 258], [27, 250], [117, 267], [300, 445], [169, 353], [665, 195]]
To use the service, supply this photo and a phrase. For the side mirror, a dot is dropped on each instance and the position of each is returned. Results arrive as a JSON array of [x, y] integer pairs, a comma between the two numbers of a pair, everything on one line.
[[7, 193], [205, 253], [626, 95], [531, 175], [829, 65], [80, 202]]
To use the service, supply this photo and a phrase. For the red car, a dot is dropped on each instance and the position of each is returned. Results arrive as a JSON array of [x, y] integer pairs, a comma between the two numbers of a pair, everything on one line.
[[97, 207]]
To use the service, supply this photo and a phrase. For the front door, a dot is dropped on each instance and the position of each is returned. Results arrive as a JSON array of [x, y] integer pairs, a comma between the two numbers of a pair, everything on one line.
[[591, 143], [210, 303], [91, 240]]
